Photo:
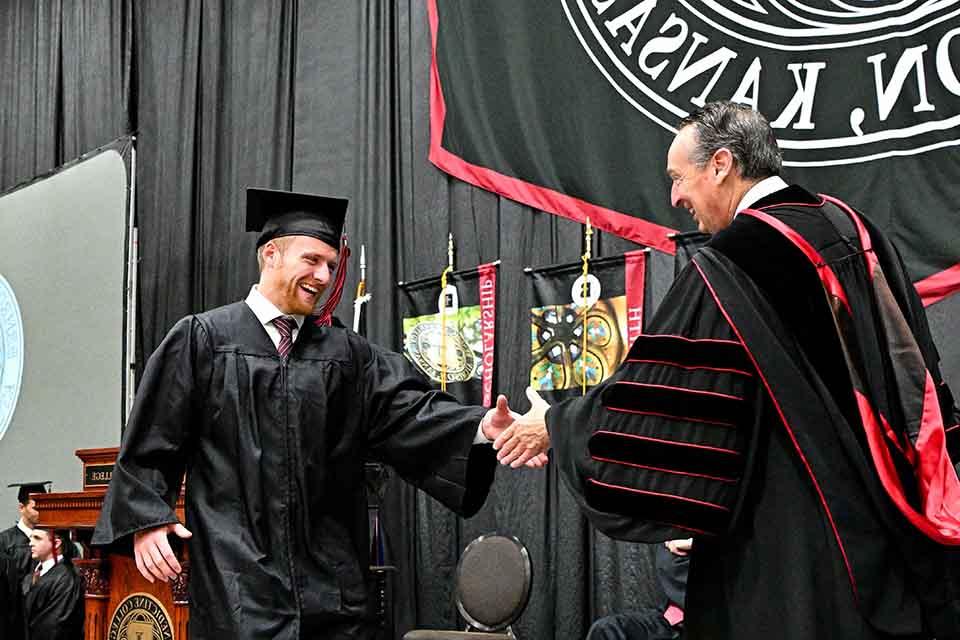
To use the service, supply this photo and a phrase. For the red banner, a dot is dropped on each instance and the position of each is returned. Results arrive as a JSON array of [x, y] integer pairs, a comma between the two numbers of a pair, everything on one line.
[[634, 279], [488, 324]]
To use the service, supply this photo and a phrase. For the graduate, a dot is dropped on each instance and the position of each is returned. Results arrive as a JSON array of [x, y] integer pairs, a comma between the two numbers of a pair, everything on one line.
[[15, 541], [15, 558], [53, 605], [11, 628], [271, 408]]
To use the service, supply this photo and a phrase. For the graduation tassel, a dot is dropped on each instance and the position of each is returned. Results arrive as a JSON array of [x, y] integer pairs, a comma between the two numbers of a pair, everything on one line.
[[584, 289], [325, 317]]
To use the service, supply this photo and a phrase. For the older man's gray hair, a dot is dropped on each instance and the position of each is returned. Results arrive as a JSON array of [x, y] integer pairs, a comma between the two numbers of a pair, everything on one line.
[[740, 129]]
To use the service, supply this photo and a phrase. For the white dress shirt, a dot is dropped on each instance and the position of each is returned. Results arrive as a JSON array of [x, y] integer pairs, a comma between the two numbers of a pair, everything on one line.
[[759, 191], [27, 531], [266, 312], [47, 564]]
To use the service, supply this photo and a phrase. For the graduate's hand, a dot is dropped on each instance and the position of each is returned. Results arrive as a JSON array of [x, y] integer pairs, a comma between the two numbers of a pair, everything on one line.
[[151, 549], [501, 417], [526, 439], [679, 547], [498, 419], [537, 462]]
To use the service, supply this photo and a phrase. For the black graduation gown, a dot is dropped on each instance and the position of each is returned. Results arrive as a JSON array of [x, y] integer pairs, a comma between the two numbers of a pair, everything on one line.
[[10, 626], [53, 607], [15, 562], [734, 419], [16, 544], [273, 453]]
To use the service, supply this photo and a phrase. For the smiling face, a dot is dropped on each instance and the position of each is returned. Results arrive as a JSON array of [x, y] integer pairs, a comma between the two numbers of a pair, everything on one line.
[[296, 271], [707, 191]]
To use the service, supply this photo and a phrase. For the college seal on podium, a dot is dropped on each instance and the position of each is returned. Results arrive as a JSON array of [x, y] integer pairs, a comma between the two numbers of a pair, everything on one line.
[[140, 616]]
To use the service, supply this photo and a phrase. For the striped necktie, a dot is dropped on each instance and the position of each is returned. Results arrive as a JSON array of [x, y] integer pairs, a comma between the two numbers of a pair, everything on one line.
[[285, 325]]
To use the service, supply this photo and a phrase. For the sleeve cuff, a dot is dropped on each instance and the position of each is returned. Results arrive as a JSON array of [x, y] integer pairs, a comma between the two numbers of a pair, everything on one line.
[[480, 438]]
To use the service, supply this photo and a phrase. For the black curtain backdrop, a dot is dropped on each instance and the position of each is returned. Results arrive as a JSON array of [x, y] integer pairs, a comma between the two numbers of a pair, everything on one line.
[[327, 97], [66, 86]]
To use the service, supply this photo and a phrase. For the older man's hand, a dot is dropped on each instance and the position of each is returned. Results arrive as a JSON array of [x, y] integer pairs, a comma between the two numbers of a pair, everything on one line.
[[527, 438], [499, 419]]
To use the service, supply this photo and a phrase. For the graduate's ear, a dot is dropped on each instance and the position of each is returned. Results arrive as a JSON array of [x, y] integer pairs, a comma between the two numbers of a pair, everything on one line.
[[270, 253]]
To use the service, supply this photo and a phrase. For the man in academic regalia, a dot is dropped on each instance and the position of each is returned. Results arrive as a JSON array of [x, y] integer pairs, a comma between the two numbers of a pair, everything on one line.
[[785, 406], [15, 560], [15, 541], [10, 626], [53, 605], [271, 411]]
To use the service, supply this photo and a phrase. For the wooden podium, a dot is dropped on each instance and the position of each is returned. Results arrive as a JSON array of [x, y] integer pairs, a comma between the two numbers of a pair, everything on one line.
[[120, 603]]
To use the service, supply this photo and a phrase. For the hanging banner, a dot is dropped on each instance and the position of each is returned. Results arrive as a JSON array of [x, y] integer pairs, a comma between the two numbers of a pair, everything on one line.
[[570, 106], [611, 312], [469, 326]]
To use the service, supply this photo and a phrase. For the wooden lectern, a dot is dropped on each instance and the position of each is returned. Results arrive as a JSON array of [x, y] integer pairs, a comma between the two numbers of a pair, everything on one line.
[[120, 603]]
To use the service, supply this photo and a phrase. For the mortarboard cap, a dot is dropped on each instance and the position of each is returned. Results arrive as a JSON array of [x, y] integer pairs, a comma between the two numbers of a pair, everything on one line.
[[285, 213], [26, 488]]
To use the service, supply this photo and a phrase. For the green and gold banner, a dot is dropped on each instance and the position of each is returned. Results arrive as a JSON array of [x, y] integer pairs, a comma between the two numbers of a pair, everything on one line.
[[460, 322]]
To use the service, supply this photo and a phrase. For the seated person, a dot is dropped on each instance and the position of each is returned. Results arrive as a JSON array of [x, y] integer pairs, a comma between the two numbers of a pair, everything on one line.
[[665, 622], [53, 606]]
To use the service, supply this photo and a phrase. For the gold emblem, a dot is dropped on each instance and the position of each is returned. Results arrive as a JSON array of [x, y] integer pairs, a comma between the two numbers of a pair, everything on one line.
[[140, 616], [464, 344]]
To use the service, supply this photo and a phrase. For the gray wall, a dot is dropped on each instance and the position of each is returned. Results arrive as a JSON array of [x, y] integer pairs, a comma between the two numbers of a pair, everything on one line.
[[62, 251]]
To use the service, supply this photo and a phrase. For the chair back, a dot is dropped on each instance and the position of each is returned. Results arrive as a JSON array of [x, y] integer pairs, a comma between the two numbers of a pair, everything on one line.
[[494, 578]]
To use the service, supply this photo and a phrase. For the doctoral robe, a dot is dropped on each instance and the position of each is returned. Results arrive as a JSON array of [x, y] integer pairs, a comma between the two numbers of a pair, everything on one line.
[[786, 409], [273, 452], [53, 608]]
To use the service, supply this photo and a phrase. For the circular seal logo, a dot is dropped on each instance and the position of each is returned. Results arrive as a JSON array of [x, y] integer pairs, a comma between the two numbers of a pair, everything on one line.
[[11, 354], [140, 616], [422, 345], [842, 81]]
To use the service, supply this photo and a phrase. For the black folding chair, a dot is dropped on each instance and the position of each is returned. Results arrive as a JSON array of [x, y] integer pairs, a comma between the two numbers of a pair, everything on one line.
[[494, 577]]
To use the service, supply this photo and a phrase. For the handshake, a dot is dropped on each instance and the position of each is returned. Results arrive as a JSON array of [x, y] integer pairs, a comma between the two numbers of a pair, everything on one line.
[[519, 439]]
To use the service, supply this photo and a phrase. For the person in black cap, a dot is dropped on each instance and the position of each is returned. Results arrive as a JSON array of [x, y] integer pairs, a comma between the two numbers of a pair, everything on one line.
[[53, 606], [15, 561], [271, 408]]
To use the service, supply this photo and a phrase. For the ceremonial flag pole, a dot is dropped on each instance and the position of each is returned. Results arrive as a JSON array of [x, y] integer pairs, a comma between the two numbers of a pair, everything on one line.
[[362, 296], [584, 292], [443, 312]]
